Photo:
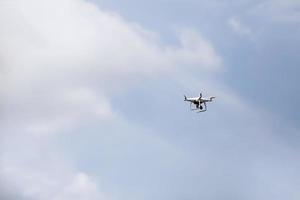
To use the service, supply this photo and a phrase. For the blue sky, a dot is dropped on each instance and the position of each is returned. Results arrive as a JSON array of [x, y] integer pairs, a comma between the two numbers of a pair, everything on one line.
[[92, 100], [263, 58]]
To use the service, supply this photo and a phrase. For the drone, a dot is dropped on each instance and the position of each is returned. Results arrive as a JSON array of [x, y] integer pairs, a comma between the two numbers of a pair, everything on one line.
[[198, 103]]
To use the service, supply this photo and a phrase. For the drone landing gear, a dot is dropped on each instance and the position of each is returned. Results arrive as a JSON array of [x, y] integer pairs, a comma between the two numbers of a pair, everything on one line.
[[198, 108], [201, 111], [193, 109]]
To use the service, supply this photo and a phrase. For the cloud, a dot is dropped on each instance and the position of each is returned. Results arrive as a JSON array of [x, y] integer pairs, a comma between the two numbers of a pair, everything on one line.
[[34, 177], [239, 27], [81, 187], [61, 62], [66, 62], [50, 53], [195, 50], [279, 11]]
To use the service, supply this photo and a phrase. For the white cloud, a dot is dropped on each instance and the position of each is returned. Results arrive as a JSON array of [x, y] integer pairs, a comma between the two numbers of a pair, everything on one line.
[[239, 27], [81, 187], [61, 61], [195, 50], [53, 48], [283, 11], [48, 179]]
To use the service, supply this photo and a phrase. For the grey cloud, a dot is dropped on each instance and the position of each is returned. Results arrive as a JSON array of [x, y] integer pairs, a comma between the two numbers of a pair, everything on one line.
[[63, 60], [278, 11], [8, 191], [142, 143]]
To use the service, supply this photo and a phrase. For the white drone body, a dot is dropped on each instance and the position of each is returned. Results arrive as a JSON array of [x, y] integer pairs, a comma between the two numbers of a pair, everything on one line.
[[198, 102]]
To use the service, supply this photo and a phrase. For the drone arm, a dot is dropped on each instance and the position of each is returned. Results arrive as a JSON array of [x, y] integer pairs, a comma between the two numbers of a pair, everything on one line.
[[211, 98]]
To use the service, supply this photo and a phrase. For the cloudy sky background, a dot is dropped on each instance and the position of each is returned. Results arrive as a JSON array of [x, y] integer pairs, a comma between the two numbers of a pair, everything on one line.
[[92, 100]]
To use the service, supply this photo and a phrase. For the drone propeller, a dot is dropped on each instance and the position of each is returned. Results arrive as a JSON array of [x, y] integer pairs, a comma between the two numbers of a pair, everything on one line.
[[184, 97], [200, 95]]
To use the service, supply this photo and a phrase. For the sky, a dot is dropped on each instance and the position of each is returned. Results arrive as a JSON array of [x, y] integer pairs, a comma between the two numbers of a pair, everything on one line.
[[91, 100]]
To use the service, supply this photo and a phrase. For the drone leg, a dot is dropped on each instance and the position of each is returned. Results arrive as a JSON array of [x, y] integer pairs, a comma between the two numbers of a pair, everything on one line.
[[193, 109], [205, 108]]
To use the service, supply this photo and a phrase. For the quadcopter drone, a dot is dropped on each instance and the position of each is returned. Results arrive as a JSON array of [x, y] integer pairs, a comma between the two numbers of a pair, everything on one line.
[[198, 102]]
